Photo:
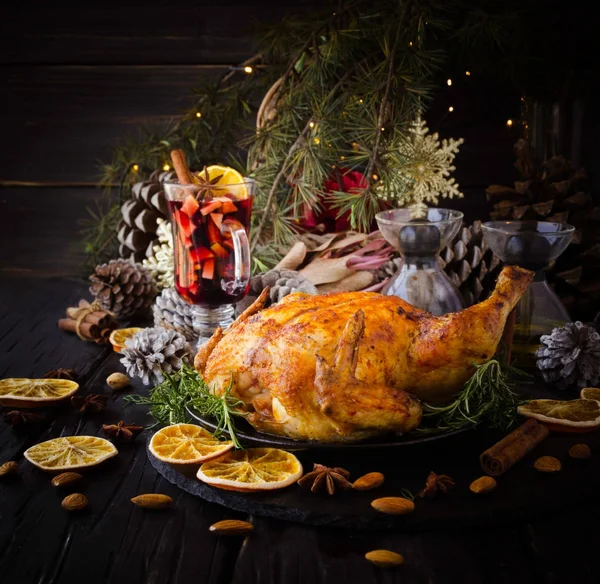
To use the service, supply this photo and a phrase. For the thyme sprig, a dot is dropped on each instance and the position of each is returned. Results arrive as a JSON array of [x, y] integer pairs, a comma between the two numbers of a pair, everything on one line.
[[170, 399], [489, 396]]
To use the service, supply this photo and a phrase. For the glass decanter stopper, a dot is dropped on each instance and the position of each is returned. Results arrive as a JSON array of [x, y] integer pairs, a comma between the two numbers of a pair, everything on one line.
[[420, 280]]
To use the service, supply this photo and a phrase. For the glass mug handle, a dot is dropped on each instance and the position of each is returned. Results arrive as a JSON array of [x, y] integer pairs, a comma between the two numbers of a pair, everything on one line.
[[241, 254]]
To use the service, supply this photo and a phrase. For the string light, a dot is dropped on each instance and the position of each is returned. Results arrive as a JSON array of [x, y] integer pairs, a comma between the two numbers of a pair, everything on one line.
[[342, 158], [449, 82], [248, 69], [311, 125], [509, 123], [410, 44], [198, 115], [360, 101], [383, 129], [451, 108], [467, 73], [166, 167], [375, 177], [317, 141], [135, 167]]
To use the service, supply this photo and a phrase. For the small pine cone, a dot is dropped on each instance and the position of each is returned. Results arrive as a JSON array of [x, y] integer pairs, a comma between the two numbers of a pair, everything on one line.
[[153, 352], [281, 282], [122, 287], [570, 356], [172, 312]]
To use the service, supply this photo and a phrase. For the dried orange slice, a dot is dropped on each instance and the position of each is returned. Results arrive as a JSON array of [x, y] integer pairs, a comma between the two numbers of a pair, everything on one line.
[[35, 393], [576, 415], [187, 444], [119, 337], [255, 469], [228, 177], [70, 452], [590, 393]]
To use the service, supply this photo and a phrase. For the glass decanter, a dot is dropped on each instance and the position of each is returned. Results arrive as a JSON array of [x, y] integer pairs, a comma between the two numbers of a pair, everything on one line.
[[421, 281], [533, 245]]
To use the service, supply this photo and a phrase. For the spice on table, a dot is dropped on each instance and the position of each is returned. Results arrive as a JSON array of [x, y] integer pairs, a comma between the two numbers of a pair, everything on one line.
[[90, 403], [70, 374], [512, 448], [231, 527], [547, 464], [580, 451], [89, 321], [324, 478], [435, 485], [118, 381], [8, 468], [74, 502], [393, 505], [152, 501], [483, 485], [64, 479], [121, 431], [368, 482], [384, 558], [19, 418]]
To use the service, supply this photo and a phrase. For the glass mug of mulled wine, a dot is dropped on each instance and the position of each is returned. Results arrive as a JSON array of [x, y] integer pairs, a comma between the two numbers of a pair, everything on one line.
[[212, 266]]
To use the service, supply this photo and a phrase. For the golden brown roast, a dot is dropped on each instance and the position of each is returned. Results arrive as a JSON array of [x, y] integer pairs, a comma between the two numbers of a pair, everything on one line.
[[344, 367]]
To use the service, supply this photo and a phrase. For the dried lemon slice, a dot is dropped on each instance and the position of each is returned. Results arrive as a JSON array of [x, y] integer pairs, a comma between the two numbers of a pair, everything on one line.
[[187, 444], [255, 469], [70, 452], [576, 415], [35, 393], [590, 393], [119, 337]]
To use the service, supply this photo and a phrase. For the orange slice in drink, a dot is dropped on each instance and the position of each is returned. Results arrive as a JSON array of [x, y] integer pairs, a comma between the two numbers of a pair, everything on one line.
[[119, 337], [255, 469], [230, 181], [187, 444], [70, 453], [35, 393], [576, 415]]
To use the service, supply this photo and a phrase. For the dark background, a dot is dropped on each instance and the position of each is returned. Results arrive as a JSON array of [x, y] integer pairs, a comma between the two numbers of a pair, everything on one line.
[[76, 81]]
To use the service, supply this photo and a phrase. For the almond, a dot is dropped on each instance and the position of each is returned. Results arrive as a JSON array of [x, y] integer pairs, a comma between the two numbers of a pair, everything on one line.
[[231, 527], [580, 451], [384, 558], [483, 485], [8, 468], [547, 464], [152, 501], [66, 478], [369, 481], [74, 502], [393, 505], [118, 381]]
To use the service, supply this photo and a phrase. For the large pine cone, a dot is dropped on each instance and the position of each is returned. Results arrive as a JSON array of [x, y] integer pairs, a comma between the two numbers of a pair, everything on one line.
[[123, 287], [136, 231], [171, 311]]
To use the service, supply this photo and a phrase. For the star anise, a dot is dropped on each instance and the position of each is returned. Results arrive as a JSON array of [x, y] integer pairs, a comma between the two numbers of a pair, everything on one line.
[[436, 485], [70, 374], [122, 432], [325, 478], [206, 184], [18, 418], [90, 403]]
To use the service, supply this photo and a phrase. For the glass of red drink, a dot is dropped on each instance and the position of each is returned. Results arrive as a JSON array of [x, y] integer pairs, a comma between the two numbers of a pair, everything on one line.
[[211, 225]]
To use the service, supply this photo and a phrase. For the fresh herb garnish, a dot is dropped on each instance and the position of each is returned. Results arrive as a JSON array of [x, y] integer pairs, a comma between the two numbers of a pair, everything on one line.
[[185, 388], [488, 396]]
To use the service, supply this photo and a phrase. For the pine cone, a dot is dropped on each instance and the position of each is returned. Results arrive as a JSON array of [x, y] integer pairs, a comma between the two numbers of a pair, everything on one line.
[[122, 287], [154, 351], [136, 231], [172, 312], [281, 282], [160, 263], [570, 356]]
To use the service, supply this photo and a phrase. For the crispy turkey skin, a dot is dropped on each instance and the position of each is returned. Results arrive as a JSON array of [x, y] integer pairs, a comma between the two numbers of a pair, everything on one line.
[[345, 367]]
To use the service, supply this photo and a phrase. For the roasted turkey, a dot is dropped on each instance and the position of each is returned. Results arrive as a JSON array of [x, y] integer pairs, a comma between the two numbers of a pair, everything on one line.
[[345, 367]]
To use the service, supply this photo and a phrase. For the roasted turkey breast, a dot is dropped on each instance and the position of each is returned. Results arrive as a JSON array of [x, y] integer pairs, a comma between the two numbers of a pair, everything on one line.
[[344, 367]]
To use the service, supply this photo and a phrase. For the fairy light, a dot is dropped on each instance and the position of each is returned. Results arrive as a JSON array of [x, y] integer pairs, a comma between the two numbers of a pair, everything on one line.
[[410, 44], [342, 157], [509, 123], [317, 141], [311, 125], [451, 108], [135, 167], [449, 82], [360, 101], [166, 167], [468, 73], [375, 177], [248, 69], [198, 115]]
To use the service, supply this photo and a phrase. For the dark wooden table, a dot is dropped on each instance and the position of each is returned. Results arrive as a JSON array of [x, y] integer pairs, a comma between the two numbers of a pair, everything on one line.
[[113, 541]]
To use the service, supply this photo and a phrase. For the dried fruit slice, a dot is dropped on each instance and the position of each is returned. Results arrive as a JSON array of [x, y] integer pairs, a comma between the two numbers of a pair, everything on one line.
[[119, 337], [576, 415], [590, 393], [35, 393], [187, 444], [70, 453], [255, 469]]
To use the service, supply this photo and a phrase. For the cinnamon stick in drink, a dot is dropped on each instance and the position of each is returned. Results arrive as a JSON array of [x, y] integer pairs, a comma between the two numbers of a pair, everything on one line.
[[181, 168], [512, 448]]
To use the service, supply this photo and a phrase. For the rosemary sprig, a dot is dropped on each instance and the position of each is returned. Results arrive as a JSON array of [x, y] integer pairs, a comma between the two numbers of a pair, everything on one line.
[[169, 400], [488, 396]]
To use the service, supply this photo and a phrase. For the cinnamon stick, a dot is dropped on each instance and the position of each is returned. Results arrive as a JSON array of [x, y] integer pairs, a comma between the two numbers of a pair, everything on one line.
[[181, 168], [512, 448], [87, 329]]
